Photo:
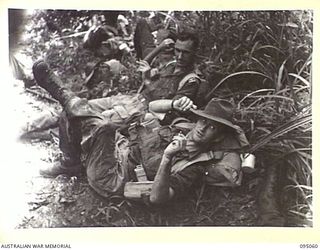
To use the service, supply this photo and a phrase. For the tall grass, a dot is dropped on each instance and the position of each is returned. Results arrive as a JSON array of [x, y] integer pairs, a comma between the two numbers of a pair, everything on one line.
[[261, 60], [265, 68]]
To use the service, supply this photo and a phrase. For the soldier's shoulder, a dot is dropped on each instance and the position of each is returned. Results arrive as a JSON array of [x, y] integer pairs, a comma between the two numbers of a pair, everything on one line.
[[194, 78]]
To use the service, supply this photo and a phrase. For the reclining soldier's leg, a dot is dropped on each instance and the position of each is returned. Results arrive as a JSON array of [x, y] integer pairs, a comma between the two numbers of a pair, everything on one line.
[[119, 109], [73, 105], [116, 109], [105, 164], [69, 143], [50, 82], [74, 132], [78, 118], [87, 133]]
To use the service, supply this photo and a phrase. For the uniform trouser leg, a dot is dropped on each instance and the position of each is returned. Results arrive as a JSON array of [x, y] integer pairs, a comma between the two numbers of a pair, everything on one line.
[[70, 140], [102, 151], [77, 112], [83, 118]]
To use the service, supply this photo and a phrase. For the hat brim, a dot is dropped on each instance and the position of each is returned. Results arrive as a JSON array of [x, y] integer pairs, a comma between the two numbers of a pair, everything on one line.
[[214, 118]]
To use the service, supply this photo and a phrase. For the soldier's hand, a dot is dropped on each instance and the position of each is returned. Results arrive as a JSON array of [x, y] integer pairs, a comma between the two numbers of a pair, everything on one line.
[[166, 43], [183, 104], [143, 66], [178, 144]]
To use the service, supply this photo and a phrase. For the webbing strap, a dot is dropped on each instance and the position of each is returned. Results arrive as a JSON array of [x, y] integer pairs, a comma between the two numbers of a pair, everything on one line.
[[187, 78]]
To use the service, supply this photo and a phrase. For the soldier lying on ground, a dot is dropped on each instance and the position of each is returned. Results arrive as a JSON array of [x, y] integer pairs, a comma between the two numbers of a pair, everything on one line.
[[166, 82], [116, 109], [210, 151]]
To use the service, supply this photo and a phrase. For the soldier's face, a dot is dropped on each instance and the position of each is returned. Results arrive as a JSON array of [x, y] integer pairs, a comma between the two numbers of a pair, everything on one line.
[[184, 53], [205, 131]]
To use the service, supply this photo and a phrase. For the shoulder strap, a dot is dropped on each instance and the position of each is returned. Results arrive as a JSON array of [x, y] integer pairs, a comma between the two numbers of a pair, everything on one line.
[[169, 63], [203, 157], [187, 78]]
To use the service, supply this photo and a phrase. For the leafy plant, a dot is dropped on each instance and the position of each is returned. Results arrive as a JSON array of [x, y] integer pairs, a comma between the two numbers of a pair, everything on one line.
[[260, 60]]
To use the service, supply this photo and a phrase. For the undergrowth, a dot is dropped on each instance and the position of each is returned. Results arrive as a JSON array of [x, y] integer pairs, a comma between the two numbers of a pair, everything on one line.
[[261, 61]]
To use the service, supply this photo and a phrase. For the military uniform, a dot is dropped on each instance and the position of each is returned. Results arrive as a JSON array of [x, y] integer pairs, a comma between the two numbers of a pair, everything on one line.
[[110, 159], [82, 132]]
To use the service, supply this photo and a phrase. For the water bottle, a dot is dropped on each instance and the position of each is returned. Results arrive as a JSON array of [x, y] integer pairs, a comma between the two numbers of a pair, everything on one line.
[[140, 173]]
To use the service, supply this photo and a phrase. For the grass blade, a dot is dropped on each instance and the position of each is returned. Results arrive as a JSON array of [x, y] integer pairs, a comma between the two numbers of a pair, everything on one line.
[[287, 127], [301, 79], [232, 75]]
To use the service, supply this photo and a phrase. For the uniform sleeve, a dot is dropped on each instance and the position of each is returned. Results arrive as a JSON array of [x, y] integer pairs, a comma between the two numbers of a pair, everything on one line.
[[189, 89], [181, 181]]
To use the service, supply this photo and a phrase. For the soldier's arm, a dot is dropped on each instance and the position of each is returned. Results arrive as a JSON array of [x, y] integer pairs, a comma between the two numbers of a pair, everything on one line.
[[161, 190], [164, 44], [164, 105]]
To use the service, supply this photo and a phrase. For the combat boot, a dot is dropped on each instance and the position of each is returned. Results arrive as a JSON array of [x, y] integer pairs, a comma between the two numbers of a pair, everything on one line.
[[73, 105], [50, 82]]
